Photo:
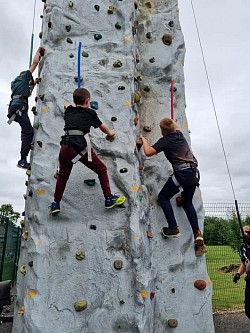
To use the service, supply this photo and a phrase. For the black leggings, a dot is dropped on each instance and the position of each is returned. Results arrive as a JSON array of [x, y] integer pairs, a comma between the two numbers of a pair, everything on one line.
[[247, 298], [26, 133]]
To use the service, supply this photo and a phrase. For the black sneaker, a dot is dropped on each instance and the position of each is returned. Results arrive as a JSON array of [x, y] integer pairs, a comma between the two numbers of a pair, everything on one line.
[[54, 208], [170, 232], [23, 164]]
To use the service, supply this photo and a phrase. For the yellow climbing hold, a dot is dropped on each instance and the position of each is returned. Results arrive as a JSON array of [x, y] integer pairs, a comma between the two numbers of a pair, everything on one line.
[[21, 311], [127, 39], [32, 293], [128, 104], [41, 191], [44, 110], [177, 10], [209, 282], [39, 241], [144, 293], [22, 270], [198, 195], [136, 237], [135, 188], [80, 305], [25, 235]]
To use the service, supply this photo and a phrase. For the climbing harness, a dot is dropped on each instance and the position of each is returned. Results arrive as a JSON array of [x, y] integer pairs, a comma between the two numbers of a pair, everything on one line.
[[32, 34], [220, 135], [79, 65], [85, 150], [12, 114]]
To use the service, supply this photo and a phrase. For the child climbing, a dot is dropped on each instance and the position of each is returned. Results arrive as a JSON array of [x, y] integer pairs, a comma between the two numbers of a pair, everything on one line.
[[75, 145], [21, 89], [245, 268], [185, 175]]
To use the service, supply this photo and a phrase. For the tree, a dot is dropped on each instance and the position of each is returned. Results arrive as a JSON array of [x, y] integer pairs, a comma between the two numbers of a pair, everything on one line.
[[7, 211]]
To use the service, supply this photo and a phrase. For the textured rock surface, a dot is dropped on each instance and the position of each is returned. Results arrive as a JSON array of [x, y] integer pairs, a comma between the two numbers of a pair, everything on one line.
[[130, 281]]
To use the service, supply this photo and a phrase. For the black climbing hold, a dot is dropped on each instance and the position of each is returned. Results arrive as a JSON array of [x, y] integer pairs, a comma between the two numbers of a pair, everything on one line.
[[173, 290], [148, 4], [93, 227], [40, 144], [171, 24], [136, 5], [33, 109], [36, 98], [118, 26], [113, 118], [122, 301], [147, 128], [97, 36], [175, 89], [118, 264], [167, 39], [89, 182], [68, 28], [149, 35], [152, 60], [23, 213], [30, 263], [41, 96], [40, 35], [94, 105], [49, 24], [69, 40], [85, 54], [121, 88], [123, 170], [41, 16], [146, 88], [30, 193], [71, 55], [76, 78], [26, 183], [97, 7], [139, 144]]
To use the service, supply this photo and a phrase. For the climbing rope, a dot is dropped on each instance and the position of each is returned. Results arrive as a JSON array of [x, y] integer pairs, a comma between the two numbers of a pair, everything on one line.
[[218, 127], [79, 64], [172, 81], [32, 34]]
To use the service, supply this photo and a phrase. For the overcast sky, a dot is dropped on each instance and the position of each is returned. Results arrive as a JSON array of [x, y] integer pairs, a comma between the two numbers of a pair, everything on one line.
[[224, 30]]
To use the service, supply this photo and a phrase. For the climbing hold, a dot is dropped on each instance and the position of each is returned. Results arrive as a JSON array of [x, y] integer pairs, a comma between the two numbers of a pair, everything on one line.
[[22, 223], [111, 10], [117, 63], [118, 264], [36, 125], [25, 235], [80, 305], [90, 182], [41, 191], [167, 39], [80, 255], [85, 54], [149, 234], [49, 24], [69, 40], [23, 213], [178, 201], [30, 263], [146, 88], [141, 167], [123, 170], [135, 188], [171, 24], [122, 302], [94, 105], [97, 36], [71, 55], [21, 311], [175, 89], [147, 128], [200, 284], [68, 28], [136, 5], [92, 227], [76, 78], [148, 4], [172, 323], [137, 58], [71, 3], [30, 193], [56, 174], [136, 120], [22, 270], [97, 7], [28, 172], [200, 250], [139, 144], [152, 60], [25, 196], [26, 183], [152, 295], [173, 290], [40, 35], [41, 16], [121, 88], [33, 109], [40, 144], [113, 118], [110, 138], [41, 96], [118, 26], [31, 293], [137, 96], [32, 146], [149, 35], [144, 293]]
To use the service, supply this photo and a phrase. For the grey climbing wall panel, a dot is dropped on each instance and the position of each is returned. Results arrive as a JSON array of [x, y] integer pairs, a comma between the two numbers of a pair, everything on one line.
[[95, 270]]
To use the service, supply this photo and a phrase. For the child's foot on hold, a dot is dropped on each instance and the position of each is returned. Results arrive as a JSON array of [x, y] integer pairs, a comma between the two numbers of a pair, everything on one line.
[[23, 164], [170, 232], [198, 238], [114, 200], [54, 208]]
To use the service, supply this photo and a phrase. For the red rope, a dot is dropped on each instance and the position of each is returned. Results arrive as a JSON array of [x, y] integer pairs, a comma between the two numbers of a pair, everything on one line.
[[172, 99]]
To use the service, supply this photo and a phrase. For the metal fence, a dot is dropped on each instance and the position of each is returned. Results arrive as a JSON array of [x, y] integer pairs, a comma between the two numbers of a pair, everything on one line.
[[10, 239], [223, 238]]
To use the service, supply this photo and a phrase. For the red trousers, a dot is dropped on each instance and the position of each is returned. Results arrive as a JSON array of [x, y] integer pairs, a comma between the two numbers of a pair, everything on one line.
[[65, 167]]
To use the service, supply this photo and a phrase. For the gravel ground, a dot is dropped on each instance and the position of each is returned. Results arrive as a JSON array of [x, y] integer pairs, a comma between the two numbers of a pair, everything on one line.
[[224, 323]]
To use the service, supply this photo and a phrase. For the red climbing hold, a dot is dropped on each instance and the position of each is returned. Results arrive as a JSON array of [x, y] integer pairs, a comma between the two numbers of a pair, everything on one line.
[[200, 284]]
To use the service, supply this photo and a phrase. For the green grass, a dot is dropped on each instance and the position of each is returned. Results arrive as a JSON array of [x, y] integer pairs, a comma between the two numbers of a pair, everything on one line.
[[226, 294]]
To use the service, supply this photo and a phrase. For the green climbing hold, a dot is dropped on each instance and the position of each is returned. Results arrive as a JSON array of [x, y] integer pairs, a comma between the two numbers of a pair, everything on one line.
[[94, 105], [80, 305], [111, 10], [85, 54], [69, 40], [97, 36], [76, 78], [36, 125], [80, 255], [28, 172], [118, 26], [137, 96], [22, 223], [117, 63], [90, 182]]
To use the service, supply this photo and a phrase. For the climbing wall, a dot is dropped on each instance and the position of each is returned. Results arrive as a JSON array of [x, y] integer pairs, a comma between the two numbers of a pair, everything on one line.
[[89, 269]]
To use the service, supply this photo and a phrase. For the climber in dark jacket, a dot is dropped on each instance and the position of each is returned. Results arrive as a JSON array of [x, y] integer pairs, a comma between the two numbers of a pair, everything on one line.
[[21, 89]]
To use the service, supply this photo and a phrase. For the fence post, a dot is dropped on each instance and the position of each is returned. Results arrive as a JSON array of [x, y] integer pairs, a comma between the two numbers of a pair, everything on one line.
[[16, 258], [4, 247]]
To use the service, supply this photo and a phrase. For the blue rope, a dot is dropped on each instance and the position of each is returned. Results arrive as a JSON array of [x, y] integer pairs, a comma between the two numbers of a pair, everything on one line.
[[79, 64]]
